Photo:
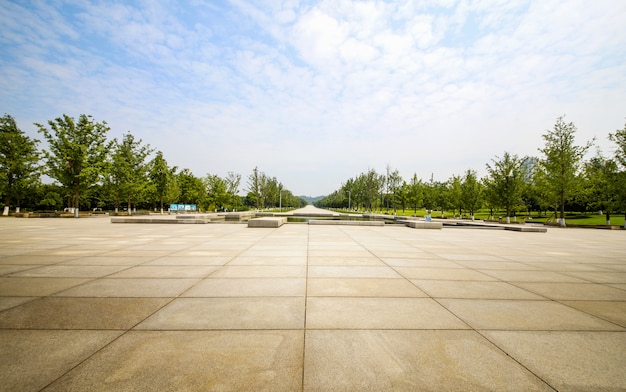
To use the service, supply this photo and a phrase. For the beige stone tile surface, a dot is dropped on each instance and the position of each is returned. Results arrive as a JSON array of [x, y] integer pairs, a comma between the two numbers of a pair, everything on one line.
[[569, 361], [366, 360], [473, 289], [229, 313], [130, 288], [576, 291], [30, 360], [362, 287], [35, 287], [80, 313], [192, 361], [248, 287], [523, 315], [378, 313], [613, 311]]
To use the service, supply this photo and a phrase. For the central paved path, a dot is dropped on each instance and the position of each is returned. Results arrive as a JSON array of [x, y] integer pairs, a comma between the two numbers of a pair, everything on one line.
[[90, 305]]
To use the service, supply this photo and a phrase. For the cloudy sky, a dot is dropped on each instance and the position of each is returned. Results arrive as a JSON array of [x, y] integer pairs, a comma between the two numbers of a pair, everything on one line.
[[316, 92]]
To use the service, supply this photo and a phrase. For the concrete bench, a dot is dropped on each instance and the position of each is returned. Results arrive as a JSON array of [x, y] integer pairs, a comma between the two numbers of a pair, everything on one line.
[[157, 220], [345, 222], [415, 224], [527, 229], [269, 221]]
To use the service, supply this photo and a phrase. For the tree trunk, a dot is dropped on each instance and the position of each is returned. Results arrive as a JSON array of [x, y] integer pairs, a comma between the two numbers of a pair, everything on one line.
[[6, 211], [608, 218]]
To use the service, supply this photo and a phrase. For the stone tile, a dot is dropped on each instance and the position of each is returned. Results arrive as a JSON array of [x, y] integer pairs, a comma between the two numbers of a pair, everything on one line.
[[443, 274], [283, 260], [469, 289], [30, 360], [576, 291], [29, 259], [601, 277], [10, 302], [496, 265], [613, 311], [344, 260], [265, 271], [191, 260], [378, 313], [248, 287], [9, 269], [110, 260], [131, 288], [71, 271], [229, 313], [193, 361], [173, 271], [421, 262], [569, 361], [36, 287], [531, 276], [410, 361], [523, 315], [359, 271], [80, 313], [362, 287]]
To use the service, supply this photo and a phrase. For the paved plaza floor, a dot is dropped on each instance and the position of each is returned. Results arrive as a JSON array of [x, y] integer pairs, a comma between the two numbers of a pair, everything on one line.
[[87, 305]]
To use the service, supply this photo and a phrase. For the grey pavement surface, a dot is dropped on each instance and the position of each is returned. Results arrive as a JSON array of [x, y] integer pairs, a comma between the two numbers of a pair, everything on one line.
[[88, 305]]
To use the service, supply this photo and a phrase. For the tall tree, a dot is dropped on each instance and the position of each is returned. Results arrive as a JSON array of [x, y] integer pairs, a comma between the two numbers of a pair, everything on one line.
[[471, 192], [76, 153], [415, 193], [162, 178], [19, 159], [232, 187], [217, 192], [562, 162], [191, 188], [255, 186], [619, 138], [602, 185], [507, 179], [129, 168]]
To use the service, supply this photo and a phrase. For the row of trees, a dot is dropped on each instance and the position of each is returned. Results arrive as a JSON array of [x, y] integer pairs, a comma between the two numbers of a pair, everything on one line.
[[90, 171], [558, 179]]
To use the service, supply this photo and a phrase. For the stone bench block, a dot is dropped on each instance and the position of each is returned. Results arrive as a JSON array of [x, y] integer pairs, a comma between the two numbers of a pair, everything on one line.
[[268, 221], [424, 225], [345, 222], [158, 220]]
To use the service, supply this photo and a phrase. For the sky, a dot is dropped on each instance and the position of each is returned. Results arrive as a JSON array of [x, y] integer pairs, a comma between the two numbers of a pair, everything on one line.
[[317, 92]]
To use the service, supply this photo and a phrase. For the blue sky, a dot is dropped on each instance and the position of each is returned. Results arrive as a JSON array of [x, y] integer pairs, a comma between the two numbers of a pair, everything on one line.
[[316, 92]]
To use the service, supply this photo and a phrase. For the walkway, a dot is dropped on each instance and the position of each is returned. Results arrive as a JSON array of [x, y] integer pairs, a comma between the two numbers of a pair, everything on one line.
[[90, 305]]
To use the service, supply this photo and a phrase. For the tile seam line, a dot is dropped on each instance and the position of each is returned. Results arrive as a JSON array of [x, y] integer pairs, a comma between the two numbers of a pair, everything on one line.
[[306, 298]]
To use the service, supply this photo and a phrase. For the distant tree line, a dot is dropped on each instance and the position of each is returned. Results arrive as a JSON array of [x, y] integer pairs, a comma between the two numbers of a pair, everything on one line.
[[89, 171], [558, 179]]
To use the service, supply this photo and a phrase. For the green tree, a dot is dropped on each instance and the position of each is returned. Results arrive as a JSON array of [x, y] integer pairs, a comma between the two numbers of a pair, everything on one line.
[[415, 193], [507, 181], [232, 188], [601, 185], [162, 179], [217, 192], [19, 157], [561, 163], [619, 138], [455, 193], [191, 188], [76, 154], [255, 186], [129, 169], [471, 192]]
